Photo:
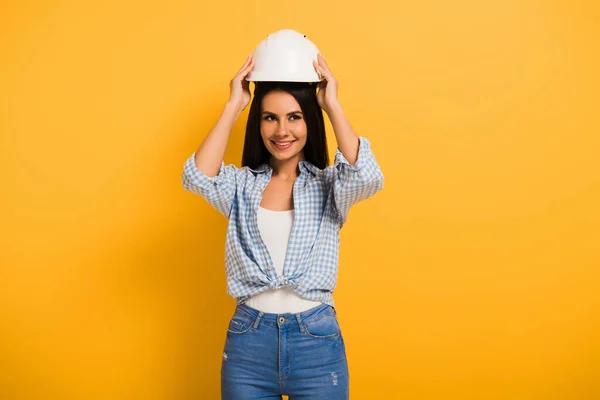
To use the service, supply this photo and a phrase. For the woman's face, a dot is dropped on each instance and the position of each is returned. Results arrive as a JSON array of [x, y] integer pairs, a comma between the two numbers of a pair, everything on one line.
[[282, 125]]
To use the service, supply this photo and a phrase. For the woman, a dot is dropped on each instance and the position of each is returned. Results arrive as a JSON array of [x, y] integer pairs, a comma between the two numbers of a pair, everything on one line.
[[285, 206]]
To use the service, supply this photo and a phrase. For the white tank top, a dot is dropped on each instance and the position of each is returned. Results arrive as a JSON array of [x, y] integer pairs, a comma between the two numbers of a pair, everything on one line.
[[275, 228]]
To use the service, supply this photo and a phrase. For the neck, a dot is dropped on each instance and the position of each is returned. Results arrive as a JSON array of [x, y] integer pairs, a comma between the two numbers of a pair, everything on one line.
[[286, 169]]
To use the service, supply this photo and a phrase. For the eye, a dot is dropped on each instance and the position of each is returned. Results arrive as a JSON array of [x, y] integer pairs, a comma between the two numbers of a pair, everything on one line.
[[268, 117], [295, 116]]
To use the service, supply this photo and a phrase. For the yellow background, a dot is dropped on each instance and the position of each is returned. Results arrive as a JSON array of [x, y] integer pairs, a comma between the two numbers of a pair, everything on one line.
[[474, 274]]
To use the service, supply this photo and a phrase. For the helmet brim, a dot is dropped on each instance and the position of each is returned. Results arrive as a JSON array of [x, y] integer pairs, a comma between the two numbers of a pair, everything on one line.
[[258, 77]]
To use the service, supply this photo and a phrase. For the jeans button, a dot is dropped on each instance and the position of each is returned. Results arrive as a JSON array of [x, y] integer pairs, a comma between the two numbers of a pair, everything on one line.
[[281, 320]]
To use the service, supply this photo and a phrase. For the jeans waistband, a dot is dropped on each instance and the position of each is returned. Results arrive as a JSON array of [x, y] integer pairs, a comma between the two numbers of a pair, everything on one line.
[[272, 318]]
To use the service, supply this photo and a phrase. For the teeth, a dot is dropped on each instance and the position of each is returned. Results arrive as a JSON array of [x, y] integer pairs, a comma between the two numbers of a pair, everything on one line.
[[283, 144]]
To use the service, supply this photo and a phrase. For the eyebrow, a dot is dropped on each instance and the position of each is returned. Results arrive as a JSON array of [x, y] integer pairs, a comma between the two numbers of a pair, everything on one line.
[[290, 113]]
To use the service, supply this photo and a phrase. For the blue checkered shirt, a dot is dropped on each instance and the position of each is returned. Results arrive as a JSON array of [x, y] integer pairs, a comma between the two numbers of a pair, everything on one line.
[[322, 199]]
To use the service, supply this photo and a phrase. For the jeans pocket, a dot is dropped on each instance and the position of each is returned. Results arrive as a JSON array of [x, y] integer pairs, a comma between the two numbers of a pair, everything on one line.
[[239, 325], [323, 327]]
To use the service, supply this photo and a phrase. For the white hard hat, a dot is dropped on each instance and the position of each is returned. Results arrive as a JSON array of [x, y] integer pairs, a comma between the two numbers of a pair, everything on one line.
[[285, 56]]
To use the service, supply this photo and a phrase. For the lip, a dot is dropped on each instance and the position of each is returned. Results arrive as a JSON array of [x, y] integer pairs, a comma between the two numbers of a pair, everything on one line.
[[283, 147]]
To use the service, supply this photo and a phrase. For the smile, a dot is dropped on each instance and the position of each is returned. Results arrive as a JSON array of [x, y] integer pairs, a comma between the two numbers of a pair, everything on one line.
[[283, 145]]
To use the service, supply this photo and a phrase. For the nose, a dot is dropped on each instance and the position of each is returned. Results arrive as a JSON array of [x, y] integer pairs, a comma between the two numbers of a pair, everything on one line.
[[282, 131]]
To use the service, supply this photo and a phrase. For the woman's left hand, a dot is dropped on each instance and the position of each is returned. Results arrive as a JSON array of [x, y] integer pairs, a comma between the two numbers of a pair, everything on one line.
[[328, 87]]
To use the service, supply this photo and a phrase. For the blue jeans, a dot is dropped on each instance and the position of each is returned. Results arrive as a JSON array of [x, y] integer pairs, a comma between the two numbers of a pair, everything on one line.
[[301, 355]]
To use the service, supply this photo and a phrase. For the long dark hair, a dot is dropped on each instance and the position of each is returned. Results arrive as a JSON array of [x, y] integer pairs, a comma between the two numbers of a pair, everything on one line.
[[315, 150]]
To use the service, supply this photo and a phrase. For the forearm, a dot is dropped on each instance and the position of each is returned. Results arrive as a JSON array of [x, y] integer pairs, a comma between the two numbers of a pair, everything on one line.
[[347, 139], [211, 152]]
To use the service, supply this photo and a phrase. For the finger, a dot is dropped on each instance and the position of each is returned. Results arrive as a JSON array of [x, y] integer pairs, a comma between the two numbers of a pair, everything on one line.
[[318, 68], [250, 67], [321, 71], [324, 71], [246, 70], [244, 65], [323, 62], [249, 59]]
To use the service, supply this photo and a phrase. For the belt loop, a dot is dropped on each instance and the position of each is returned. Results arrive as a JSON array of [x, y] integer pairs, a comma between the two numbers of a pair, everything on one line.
[[258, 317], [300, 324]]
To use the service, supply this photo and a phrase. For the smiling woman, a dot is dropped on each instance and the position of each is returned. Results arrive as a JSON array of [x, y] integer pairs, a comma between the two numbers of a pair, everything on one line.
[[279, 138], [286, 206], [280, 129], [284, 112]]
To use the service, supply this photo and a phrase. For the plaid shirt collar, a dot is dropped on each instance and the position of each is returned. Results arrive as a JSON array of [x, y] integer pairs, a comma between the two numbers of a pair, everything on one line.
[[304, 165]]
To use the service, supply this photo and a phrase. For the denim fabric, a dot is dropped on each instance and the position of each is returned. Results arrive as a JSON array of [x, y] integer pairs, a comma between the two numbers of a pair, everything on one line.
[[301, 355]]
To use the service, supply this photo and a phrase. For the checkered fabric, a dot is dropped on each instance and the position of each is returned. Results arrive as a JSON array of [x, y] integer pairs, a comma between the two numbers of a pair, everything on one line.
[[322, 199]]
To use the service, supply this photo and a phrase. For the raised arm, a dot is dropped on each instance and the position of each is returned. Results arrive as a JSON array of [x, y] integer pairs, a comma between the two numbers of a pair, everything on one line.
[[357, 174], [212, 149], [205, 172]]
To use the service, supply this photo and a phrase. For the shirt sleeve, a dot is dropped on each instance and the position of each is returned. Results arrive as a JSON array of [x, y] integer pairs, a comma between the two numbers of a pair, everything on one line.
[[355, 182], [218, 190]]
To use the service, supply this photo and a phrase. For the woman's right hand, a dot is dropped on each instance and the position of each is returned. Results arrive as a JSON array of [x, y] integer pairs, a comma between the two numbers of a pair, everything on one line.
[[239, 87]]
